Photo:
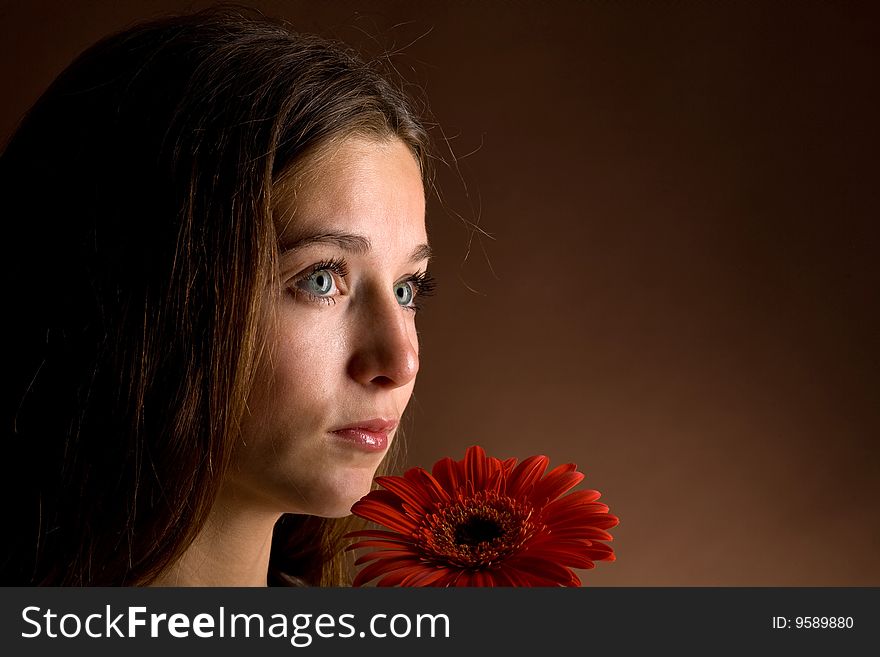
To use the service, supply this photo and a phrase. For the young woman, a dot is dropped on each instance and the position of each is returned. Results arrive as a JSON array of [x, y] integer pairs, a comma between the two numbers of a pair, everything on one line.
[[216, 249]]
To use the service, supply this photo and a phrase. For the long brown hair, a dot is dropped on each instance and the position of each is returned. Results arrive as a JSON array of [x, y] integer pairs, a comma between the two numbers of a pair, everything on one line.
[[138, 196]]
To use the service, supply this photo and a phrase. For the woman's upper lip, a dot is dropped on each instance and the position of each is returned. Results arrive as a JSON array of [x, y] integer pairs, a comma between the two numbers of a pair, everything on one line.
[[379, 425]]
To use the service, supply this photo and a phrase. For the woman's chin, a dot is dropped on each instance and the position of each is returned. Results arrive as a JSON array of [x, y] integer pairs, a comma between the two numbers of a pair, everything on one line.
[[338, 504], [342, 510]]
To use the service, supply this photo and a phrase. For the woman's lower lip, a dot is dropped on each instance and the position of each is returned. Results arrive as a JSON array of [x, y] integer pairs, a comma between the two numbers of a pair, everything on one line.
[[369, 441]]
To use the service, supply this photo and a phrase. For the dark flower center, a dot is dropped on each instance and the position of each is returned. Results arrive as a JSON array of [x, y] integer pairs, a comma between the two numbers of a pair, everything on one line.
[[476, 530]]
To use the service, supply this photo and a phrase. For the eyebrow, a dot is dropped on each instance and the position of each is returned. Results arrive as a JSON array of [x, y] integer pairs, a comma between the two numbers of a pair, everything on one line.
[[356, 244]]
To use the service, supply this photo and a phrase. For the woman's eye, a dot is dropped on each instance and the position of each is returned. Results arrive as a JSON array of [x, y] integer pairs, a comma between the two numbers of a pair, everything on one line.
[[319, 283], [404, 293]]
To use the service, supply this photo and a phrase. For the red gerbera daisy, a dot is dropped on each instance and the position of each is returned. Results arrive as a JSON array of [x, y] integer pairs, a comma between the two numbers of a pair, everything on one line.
[[482, 522]]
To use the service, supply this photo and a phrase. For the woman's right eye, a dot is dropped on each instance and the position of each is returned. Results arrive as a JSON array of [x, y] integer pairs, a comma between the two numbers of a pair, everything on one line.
[[319, 284]]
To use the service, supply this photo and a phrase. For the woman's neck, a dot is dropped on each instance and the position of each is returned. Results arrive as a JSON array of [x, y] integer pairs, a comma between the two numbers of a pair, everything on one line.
[[231, 550]]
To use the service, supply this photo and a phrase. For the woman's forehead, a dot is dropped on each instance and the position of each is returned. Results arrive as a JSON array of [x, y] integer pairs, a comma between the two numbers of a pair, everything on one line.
[[360, 186]]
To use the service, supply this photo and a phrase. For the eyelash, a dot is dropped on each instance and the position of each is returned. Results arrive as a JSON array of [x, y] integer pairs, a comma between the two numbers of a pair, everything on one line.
[[423, 282]]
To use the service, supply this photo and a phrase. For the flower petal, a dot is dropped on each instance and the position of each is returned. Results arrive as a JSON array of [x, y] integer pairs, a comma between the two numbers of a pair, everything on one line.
[[427, 576], [376, 543], [396, 577], [571, 503], [482, 578], [525, 475], [544, 569], [582, 557], [377, 533], [523, 577], [579, 533], [434, 491], [383, 566], [384, 497], [558, 481], [578, 518], [475, 467], [445, 471], [384, 554], [383, 515], [416, 497]]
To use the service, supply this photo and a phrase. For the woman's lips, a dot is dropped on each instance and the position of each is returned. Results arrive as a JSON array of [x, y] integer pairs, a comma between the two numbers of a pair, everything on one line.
[[369, 441], [368, 435]]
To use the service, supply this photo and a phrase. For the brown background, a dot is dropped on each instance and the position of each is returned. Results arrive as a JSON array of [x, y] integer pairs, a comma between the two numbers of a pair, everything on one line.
[[680, 292]]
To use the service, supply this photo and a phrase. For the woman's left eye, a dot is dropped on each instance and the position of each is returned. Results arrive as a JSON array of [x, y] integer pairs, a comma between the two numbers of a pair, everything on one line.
[[404, 293], [411, 291]]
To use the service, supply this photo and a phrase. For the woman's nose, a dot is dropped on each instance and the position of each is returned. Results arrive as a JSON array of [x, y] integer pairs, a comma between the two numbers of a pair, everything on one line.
[[386, 346]]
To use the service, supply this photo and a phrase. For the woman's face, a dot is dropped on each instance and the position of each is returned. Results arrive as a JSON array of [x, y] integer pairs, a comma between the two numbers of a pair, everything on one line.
[[353, 258]]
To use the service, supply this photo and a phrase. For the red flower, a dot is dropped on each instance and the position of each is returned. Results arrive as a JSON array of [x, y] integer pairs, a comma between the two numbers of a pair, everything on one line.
[[482, 522]]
